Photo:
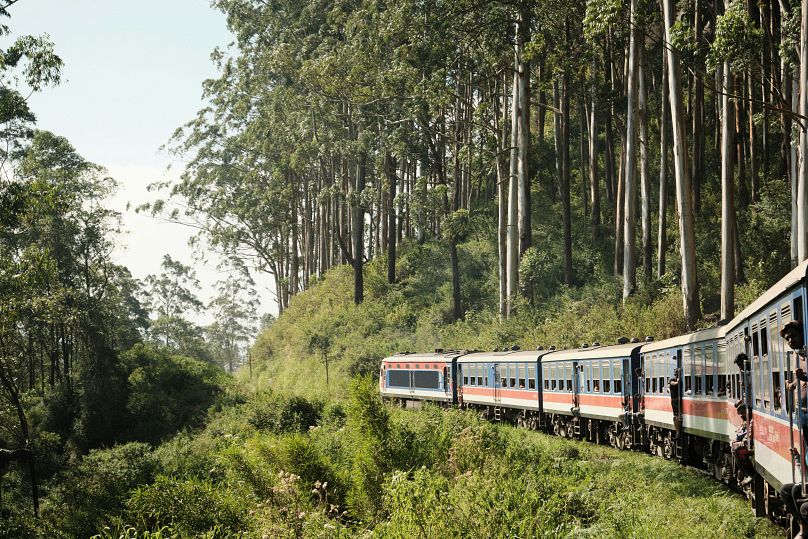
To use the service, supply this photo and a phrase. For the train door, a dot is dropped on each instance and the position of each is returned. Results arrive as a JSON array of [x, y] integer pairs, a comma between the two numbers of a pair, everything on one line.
[[497, 379], [678, 392], [577, 384]]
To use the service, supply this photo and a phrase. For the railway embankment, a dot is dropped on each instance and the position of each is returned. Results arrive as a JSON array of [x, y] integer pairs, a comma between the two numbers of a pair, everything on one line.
[[277, 466]]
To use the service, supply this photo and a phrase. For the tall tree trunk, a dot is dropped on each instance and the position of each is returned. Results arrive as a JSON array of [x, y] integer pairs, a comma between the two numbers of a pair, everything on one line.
[[513, 200], [753, 157], [594, 186], [391, 218], [630, 163], [727, 202], [645, 180], [565, 168], [794, 172], [802, 177], [662, 241], [358, 229], [503, 183], [681, 171], [697, 109], [523, 132]]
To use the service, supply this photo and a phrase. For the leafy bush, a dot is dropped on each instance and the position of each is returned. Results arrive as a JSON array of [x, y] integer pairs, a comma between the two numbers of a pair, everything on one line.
[[190, 507], [167, 392], [283, 414], [90, 493]]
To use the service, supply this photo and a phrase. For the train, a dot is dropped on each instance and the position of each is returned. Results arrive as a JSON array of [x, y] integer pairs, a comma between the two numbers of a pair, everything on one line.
[[721, 399]]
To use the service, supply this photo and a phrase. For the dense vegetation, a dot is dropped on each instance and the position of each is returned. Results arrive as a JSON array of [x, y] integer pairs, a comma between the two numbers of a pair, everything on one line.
[[413, 175]]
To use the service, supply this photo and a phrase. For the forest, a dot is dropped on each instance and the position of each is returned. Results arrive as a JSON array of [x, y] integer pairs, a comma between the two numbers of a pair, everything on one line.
[[411, 174]]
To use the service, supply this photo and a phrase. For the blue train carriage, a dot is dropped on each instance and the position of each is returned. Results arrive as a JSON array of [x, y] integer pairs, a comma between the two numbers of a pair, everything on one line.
[[693, 418], [502, 385], [761, 387], [592, 393], [409, 378]]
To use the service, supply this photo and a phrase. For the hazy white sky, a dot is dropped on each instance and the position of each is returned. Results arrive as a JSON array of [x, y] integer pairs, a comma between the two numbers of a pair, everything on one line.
[[132, 74]]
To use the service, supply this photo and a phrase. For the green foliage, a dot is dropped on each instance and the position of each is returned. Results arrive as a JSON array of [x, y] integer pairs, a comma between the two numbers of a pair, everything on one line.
[[168, 392], [737, 39], [188, 507], [282, 414], [369, 427], [91, 493]]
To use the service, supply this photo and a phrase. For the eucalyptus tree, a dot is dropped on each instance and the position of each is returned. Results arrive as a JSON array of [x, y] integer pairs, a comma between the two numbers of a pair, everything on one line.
[[234, 312], [684, 201]]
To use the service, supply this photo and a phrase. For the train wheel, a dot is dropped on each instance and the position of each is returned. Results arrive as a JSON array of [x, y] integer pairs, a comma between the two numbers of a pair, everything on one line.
[[612, 435], [668, 446]]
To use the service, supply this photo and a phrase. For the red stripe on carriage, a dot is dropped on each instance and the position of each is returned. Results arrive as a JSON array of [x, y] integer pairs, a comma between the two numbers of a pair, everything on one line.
[[774, 434], [706, 408], [607, 401], [530, 395]]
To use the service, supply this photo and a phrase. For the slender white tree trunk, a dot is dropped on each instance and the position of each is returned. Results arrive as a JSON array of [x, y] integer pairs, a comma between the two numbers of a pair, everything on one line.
[[684, 201], [663, 174], [503, 182], [523, 135], [645, 180], [727, 198], [794, 171], [513, 201], [802, 177], [630, 163]]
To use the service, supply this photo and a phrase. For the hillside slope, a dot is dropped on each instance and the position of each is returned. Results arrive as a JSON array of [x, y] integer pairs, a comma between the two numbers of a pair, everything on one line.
[[416, 314]]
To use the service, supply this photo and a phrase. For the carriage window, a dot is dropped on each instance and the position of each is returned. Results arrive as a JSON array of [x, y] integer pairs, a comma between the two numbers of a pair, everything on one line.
[[617, 368], [465, 375], [688, 367], [698, 370], [531, 376], [568, 373], [721, 369], [546, 377], [588, 377], [521, 376], [662, 372], [480, 369], [595, 377], [554, 382], [486, 367], [607, 383], [709, 364], [776, 359], [764, 342]]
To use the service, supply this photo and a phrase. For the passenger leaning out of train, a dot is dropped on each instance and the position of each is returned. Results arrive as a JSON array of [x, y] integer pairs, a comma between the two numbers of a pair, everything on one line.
[[792, 333], [674, 384], [791, 493]]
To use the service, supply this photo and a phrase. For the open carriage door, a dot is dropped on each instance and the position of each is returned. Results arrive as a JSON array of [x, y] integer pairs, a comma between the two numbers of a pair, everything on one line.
[[495, 372], [677, 405]]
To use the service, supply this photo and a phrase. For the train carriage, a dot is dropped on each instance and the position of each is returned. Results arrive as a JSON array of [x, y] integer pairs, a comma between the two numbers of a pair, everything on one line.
[[503, 384], [410, 378], [591, 392], [774, 428], [705, 411]]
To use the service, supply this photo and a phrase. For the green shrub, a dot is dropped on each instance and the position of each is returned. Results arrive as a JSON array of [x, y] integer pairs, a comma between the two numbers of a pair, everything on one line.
[[92, 492], [280, 414], [190, 507], [167, 392]]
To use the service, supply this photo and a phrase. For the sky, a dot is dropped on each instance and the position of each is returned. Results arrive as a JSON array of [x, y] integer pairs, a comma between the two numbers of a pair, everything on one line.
[[132, 74]]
